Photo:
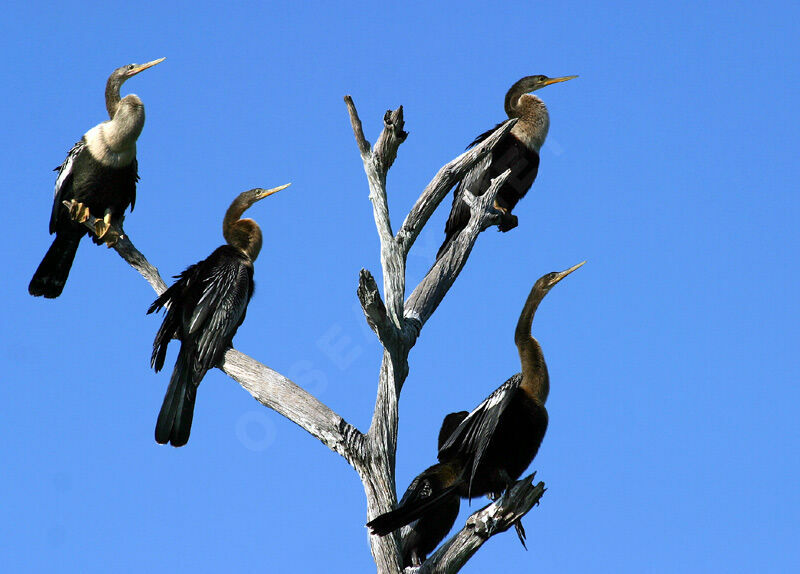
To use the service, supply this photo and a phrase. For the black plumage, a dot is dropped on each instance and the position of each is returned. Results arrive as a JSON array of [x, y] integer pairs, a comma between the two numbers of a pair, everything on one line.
[[205, 308], [499, 439], [99, 176], [517, 150], [429, 506]]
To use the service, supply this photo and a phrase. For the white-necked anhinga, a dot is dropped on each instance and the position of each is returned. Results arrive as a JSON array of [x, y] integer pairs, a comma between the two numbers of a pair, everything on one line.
[[518, 150], [99, 176], [205, 307], [499, 439], [430, 504]]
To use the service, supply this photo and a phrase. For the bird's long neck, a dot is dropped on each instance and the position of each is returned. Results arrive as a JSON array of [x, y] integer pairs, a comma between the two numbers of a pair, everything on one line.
[[243, 234], [534, 120], [112, 95], [535, 380]]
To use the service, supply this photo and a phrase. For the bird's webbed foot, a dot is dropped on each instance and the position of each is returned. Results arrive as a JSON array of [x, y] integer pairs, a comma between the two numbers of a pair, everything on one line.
[[105, 234], [78, 211]]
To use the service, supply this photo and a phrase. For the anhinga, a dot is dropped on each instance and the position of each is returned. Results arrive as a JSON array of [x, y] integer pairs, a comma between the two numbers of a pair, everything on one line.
[[99, 176], [430, 504], [499, 439], [518, 150], [205, 307]]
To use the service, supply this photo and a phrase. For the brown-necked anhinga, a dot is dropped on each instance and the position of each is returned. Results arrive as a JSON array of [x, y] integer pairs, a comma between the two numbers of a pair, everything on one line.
[[205, 307], [518, 150], [430, 504], [99, 176], [499, 439]]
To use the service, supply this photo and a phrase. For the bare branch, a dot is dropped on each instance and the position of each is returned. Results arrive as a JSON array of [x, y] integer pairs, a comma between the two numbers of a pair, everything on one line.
[[275, 391], [434, 286], [125, 248], [377, 162], [373, 307], [482, 525], [440, 185], [390, 139], [363, 145], [269, 387]]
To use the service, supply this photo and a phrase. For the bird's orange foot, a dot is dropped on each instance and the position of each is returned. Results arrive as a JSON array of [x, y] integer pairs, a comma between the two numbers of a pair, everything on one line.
[[102, 228], [78, 211], [111, 237]]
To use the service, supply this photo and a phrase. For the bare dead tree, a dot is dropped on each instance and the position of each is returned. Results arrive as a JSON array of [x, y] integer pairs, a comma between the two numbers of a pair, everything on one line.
[[397, 322]]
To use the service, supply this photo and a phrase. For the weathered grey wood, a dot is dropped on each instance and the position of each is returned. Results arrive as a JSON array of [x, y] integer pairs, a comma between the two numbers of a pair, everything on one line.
[[377, 162], [442, 183], [482, 525], [125, 248], [398, 337], [397, 323], [373, 307], [268, 387], [424, 300]]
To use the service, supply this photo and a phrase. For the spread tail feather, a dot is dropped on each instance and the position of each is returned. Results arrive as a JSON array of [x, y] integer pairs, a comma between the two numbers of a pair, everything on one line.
[[175, 418], [52, 273], [406, 514]]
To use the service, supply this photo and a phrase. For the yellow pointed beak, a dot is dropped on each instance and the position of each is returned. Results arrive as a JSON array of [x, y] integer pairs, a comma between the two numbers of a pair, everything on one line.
[[563, 274], [557, 81], [143, 67], [267, 192]]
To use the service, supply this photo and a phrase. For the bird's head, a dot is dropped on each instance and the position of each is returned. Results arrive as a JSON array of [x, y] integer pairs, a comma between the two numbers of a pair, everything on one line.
[[249, 197], [530, 84], [547, 282], [244, 234], [125, 72]]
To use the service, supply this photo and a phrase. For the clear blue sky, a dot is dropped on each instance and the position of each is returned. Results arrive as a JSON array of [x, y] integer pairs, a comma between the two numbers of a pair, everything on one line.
[[671, 167]]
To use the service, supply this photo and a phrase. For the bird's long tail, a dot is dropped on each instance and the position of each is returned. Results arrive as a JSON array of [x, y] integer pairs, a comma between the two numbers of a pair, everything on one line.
[[175, 419], [406, 514], [52, 273]]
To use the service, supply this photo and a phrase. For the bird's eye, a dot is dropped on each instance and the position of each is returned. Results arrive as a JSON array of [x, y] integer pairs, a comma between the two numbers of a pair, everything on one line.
[[131, 66]]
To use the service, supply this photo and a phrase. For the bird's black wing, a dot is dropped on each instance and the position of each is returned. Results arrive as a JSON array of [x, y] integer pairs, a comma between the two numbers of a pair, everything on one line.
[[474, 434], [64, 182], [171, 300], [449, 424], [227, 284], [484, 135], [423, 495], [135, 169]]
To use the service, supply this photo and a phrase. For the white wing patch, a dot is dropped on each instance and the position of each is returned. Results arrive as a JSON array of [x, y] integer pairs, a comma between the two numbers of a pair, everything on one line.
[[65, 169]]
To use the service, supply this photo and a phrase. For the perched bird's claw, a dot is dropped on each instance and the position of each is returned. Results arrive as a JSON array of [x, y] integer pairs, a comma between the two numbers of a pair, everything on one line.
[[101, 227], [104, 232], [78, 211], [111, 237]]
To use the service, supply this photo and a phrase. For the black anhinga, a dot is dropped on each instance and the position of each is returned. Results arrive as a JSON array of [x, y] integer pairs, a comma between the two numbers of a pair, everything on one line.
[[205, 307], [99, 176], [518, 150], [500, 438], [430, 504]]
